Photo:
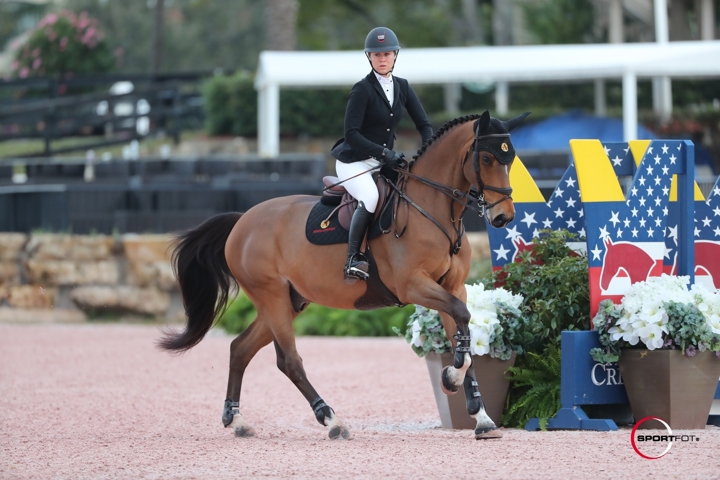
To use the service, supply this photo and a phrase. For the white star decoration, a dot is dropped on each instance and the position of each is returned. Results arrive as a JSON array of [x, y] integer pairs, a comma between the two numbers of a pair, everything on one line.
[[501, 253], [529, 219], [614, 219], [512, 233], [596, 253]]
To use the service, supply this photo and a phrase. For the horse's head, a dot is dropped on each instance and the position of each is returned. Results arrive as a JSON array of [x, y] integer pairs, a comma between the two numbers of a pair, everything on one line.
[[492, 156]]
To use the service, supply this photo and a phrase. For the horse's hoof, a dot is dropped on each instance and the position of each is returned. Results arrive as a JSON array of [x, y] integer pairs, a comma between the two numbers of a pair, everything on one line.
[[245, 432], [446, 385], [485, 434], [241, 428], [339, 431]]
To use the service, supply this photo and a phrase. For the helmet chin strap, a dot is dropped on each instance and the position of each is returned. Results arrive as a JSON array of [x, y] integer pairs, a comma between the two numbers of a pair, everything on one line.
[[373, 68]]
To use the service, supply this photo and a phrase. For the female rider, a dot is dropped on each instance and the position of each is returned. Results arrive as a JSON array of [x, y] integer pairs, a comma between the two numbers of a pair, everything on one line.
[[374, 109]]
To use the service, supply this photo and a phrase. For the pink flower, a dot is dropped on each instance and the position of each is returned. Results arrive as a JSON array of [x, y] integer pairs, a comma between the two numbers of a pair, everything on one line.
[[69, 15], [82, 23], [24, 72], [36, 63], [36, 53], [49, 19], [89, 35]]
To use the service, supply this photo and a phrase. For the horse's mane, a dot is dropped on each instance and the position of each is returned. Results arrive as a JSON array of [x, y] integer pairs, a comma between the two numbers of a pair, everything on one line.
[[443, 129]]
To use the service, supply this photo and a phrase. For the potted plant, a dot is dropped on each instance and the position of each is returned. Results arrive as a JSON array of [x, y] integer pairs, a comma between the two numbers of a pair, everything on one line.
[[496, 324], [666, 340], [553, 280]]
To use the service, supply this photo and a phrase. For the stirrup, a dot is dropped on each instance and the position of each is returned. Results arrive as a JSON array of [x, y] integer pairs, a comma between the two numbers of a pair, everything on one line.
[[353, 272]]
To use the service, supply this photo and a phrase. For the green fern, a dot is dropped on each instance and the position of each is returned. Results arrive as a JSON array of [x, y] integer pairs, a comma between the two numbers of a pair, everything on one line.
[[535, 388]]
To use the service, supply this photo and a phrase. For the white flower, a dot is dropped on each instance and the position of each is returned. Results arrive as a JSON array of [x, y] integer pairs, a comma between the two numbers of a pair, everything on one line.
[[480, 343], [417, 338], [482, 305], [651, 335], [714, 323]]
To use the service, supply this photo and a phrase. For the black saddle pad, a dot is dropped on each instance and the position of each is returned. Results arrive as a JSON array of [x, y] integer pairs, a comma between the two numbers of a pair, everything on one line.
[[335, 233]]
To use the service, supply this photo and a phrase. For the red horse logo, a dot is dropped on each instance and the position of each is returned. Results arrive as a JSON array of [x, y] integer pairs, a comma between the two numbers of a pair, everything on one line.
[[707, 263], [625, 257], [707, 258]]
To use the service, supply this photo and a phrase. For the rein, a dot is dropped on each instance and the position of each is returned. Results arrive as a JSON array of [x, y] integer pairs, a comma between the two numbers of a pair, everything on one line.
[[465, 198]]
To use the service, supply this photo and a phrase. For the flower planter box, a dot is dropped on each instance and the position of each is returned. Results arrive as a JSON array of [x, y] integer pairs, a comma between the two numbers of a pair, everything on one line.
[[490, 374], [669, 385]]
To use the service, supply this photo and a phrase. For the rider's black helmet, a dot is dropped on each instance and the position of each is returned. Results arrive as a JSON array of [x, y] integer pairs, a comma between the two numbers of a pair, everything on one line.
[[381, 39]]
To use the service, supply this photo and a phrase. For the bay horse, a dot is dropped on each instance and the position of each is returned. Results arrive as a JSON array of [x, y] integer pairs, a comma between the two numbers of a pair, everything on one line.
[[265, 251]]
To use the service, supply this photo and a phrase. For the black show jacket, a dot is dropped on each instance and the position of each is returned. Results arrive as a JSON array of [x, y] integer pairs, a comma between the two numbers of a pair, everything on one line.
[[370, 121]]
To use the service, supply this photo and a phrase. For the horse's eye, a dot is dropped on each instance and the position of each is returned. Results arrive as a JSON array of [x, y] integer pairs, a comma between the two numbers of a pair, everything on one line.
[[486, 160]]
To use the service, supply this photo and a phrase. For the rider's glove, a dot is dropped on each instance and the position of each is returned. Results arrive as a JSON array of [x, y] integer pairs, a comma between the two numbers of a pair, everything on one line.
[[391, 158]]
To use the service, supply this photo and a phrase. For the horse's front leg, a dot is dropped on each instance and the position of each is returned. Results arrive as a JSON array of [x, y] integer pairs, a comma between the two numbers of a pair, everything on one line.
[[454, 312]]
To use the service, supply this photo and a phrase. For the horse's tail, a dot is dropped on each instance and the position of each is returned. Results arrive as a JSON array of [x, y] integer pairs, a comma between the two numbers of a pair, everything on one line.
[[205, 279]]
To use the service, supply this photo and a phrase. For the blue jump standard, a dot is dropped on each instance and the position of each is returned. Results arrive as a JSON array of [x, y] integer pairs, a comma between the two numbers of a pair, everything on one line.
[[583, 382], [586, 382], [715, 419]]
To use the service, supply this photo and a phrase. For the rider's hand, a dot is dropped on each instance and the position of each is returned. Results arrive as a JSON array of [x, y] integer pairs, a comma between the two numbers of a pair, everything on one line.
[[391, 158]]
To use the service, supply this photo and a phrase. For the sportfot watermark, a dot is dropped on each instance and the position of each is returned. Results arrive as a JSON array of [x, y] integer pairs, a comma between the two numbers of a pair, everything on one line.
[[653, 446]]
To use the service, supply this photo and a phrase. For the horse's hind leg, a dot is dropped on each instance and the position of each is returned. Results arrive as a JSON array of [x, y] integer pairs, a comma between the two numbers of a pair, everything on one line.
[[290, 363], [242, 350]]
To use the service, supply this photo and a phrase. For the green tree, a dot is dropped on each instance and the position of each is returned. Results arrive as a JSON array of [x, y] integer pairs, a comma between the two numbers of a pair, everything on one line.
[[560, 21], [198, 34]]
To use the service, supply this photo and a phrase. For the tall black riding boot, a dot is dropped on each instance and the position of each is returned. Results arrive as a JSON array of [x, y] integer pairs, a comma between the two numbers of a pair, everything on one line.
[[357, 265]]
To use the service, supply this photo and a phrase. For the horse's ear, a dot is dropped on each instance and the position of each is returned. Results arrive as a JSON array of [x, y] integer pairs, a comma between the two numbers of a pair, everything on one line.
[[510, 124], [484, 121]]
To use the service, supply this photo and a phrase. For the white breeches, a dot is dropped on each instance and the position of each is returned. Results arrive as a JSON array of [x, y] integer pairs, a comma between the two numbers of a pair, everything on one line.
[[362, 187]]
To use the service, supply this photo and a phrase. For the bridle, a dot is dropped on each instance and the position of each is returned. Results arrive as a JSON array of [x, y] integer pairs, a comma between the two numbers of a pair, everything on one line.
[[467, 199]]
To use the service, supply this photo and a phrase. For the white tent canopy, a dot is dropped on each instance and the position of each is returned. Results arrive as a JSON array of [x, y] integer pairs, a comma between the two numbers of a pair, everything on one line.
[[486, 65]]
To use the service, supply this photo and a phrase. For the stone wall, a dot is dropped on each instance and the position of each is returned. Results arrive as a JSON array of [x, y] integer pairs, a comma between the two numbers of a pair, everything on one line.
[[92, 275], [72, 277]]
